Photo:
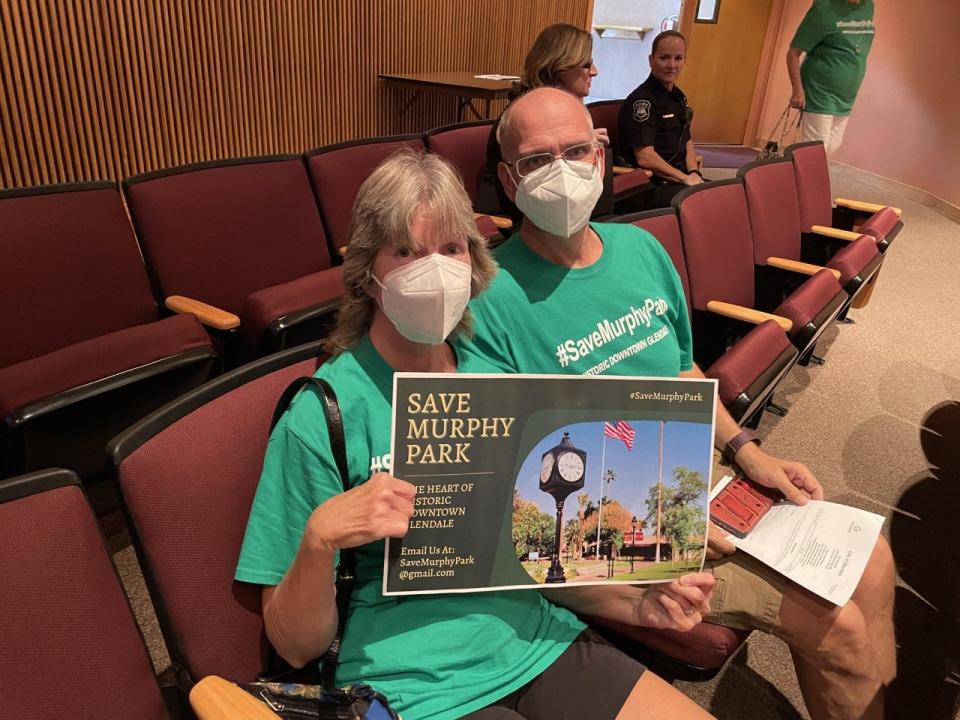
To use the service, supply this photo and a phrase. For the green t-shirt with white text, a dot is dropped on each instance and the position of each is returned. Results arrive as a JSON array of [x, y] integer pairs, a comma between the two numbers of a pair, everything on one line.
[[435, 657], [624, 315], [836, 36]]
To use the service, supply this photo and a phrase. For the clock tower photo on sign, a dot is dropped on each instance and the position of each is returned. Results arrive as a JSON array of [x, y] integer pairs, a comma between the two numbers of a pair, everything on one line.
[[561, 473]]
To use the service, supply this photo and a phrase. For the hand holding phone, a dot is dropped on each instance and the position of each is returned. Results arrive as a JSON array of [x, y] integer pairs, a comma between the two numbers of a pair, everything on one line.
[[740, 505]]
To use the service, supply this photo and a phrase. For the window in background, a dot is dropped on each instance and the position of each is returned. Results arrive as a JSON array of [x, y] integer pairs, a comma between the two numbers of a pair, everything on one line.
[[621, 61]]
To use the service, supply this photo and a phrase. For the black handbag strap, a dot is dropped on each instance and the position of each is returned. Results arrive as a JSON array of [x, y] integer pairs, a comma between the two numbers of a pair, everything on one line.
[[346, 569]]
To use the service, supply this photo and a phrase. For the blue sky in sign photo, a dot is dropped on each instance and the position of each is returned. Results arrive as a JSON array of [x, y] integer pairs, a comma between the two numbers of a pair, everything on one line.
[[684, 443]]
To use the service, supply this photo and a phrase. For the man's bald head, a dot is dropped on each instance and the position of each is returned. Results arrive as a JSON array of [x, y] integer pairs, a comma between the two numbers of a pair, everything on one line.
[[538, 114]]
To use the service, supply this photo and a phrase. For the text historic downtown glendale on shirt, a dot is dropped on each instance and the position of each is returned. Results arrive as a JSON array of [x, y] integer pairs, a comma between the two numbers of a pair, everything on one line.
[[510, 471]]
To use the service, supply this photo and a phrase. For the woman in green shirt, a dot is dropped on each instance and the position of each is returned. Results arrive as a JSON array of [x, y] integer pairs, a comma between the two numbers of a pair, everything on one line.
[[836, 36], [414, 260]]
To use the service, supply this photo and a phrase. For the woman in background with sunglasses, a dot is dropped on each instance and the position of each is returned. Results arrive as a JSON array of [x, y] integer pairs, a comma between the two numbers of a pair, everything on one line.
[[560, 57]]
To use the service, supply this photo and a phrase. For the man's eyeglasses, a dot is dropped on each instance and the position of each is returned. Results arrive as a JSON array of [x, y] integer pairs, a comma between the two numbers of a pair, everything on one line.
[[526, 165]]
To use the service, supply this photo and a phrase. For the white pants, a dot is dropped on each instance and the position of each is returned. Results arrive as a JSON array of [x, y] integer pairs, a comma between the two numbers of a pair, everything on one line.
[[826, 128]]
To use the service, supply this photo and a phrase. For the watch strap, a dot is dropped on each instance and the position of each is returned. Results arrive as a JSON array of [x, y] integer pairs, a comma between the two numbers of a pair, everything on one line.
[[734, 444]]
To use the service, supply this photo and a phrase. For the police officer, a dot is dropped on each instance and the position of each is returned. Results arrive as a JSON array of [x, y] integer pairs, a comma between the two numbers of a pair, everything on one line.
[[655, 123]]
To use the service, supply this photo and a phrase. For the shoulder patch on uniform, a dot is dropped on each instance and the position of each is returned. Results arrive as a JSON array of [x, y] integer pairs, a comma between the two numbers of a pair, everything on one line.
[[641, 110]]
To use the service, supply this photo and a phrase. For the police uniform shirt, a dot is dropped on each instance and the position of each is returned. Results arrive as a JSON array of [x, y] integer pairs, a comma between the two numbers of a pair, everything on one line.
[[653, 115]]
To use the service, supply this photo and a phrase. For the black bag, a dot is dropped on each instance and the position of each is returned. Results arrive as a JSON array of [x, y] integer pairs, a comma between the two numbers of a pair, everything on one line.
[[296, 701], [774, 146]]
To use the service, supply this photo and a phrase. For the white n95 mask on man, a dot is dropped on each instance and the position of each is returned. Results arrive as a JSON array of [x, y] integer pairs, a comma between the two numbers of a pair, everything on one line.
[[425, 299], [559, 197]]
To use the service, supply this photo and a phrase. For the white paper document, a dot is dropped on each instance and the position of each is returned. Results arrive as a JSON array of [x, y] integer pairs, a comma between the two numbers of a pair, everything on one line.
[[497, 77], [822, 546]]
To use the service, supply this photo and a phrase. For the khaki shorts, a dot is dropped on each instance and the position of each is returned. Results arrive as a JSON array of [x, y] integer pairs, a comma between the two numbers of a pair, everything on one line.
[[747, 594]]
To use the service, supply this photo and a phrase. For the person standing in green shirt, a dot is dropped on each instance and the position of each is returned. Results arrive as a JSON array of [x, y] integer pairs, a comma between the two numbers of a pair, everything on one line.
[[836, 36]]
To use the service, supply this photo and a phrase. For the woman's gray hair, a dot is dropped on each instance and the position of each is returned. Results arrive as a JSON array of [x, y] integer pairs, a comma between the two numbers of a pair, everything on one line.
[[402, 186]]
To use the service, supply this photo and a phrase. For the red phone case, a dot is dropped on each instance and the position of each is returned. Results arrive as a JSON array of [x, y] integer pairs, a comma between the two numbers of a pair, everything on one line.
[[740, 505]]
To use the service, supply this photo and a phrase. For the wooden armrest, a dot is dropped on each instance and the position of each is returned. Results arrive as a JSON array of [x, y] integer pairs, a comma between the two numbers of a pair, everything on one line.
[[207, 314], [623, 169], [755, 317], [342, 251], [865, 206], [214, 698], [648, 173], [499, 221], [799, 267], [835, 233]]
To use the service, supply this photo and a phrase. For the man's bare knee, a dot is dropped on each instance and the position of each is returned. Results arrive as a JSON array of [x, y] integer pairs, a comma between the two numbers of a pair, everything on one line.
[[876, 586], [839, 640], [811, 627]]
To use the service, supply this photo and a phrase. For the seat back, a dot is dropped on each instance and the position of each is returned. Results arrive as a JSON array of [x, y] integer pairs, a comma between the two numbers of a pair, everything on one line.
[[606, 114], [219, 231], [774, 209], [813, 183], [70, 269], [338, 171], [717, 242], [465, 146], [188, 474], [662, 224], [71, 646]]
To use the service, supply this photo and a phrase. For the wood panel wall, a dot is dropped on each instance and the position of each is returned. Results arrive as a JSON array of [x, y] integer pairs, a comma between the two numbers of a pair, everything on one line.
[[104, 89]]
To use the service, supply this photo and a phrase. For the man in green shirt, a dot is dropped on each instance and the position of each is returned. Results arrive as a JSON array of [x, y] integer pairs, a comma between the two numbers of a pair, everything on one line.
[[585, 298], [836, 36]]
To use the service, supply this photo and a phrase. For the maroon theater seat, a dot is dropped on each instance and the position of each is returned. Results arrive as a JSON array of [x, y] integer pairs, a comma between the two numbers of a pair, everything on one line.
[[817, 208], [71, 646], [338, 171], [188, 474], [245, 237], [85, 352], [775, 220], [882, 226], [750, 369], [718, 246], [464, 145], [628, 181], [694, 656]]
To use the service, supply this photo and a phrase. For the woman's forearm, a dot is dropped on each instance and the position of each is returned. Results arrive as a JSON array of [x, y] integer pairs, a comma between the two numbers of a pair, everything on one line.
[[649, 159], [300, 614], [616, 603]]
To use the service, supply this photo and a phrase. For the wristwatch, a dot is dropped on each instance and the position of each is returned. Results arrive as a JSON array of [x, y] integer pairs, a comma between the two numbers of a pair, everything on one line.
[[734, 444], [695, 170]]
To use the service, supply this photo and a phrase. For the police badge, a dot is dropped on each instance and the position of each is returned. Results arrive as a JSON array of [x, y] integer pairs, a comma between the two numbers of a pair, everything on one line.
[[641, 110]]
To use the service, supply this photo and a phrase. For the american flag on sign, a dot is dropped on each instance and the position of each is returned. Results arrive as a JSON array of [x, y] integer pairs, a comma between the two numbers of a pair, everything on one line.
[[620, 431]]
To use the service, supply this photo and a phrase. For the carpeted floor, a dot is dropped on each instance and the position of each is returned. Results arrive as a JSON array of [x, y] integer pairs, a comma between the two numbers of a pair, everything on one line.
[[879, 424]]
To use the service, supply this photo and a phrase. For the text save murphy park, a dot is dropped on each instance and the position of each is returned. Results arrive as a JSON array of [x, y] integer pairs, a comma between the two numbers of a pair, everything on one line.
[[554, 481]]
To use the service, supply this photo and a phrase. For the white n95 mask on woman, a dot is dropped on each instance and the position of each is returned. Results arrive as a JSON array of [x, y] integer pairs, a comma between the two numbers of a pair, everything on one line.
[[425, 299], [559, 197]]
